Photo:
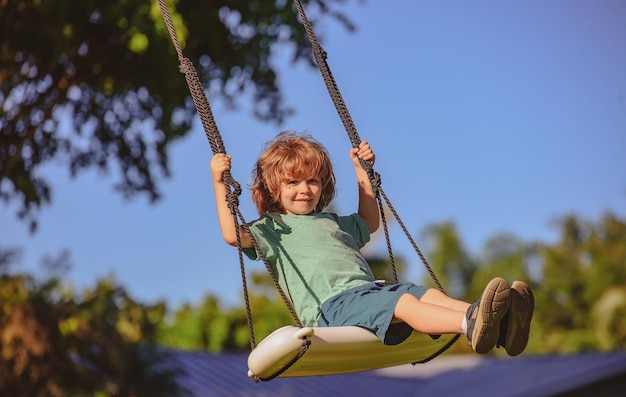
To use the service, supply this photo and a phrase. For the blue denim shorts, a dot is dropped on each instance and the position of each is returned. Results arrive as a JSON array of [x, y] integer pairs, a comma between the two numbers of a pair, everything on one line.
[[370, 306]]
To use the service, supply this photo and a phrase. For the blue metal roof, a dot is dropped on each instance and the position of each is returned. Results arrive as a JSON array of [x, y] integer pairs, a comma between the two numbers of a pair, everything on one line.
[[220, 375]]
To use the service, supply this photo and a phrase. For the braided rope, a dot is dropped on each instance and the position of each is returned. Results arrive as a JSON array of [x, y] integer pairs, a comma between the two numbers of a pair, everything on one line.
[[320, 56], [233, 187]]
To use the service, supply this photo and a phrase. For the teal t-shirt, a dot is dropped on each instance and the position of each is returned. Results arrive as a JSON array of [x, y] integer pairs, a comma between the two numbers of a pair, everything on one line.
[[314, 257]]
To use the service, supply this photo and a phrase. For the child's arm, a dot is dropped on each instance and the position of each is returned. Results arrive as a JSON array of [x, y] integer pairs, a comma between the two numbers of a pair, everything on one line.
[[220, 163], [368, 207]]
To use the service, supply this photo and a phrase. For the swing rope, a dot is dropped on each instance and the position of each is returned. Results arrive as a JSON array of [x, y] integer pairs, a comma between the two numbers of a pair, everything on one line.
[[320, 56], [233, 187]]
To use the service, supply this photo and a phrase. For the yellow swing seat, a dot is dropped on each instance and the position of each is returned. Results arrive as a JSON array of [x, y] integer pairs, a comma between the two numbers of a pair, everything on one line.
[[337, 350]]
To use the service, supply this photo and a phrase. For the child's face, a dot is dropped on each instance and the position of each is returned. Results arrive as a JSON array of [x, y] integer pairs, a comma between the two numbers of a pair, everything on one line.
[[299, 196]]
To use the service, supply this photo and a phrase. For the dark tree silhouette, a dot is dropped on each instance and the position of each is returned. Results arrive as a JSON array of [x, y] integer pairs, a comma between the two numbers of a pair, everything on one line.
[[109, 67]]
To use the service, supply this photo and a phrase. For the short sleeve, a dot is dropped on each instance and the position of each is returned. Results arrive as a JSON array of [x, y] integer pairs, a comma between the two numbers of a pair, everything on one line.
[[251, 252], [355, 226], [263, 232]]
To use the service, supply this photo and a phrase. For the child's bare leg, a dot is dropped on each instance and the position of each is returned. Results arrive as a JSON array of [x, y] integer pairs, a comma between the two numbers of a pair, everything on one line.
[[436, 297], [436, 313], [427, 317]]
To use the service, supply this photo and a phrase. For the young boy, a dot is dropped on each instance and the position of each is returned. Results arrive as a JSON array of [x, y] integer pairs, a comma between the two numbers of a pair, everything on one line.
[[316, 256]]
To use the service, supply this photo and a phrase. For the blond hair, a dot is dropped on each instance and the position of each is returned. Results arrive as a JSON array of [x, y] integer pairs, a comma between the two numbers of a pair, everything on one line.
[[290, 155]]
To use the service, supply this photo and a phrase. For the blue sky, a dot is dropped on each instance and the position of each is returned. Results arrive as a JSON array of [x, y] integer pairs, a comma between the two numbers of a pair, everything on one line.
[[498, 116]]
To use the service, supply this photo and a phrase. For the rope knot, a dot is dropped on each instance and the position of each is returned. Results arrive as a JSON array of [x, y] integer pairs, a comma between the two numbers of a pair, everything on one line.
[[233, 201], [318, 50], [375, 180], [232, 197], [185, 66]]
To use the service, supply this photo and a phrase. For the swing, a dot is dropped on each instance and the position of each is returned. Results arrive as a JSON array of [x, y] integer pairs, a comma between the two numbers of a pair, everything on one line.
[[293, 351]]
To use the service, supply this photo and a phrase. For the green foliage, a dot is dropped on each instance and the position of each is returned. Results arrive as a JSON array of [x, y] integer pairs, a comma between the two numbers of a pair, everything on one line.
[[109, 68], [104, 342], [579, 285], [583, 290], [196, 328], [53, 344], [449, 259], [579, 282]]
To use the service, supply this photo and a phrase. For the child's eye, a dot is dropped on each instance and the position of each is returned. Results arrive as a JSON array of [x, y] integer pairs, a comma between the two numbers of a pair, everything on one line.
[[313, 181]]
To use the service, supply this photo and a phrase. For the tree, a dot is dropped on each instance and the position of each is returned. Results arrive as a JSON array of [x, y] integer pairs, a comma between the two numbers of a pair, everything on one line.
[[449, 259], [53, 344], [583, 294], [109, 68], [208, 326], [506, 256], [191, 327]]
